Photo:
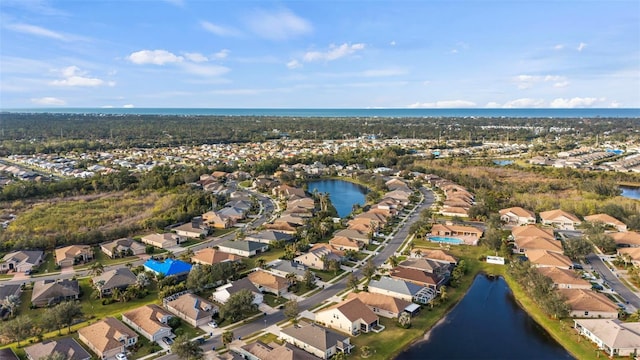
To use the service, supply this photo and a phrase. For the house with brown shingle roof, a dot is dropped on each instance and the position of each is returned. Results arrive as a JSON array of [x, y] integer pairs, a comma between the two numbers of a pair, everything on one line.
[[266, 281], [560, 219], [150, 321], [531, 237], [632, 252], [351, 316], [193, 309], [51, 292], [70, 255], [455, 230], [432, 267], [629, 238], [589, 304], [209, 256], [162, 241], [121, 247], [435, 255], [118, 278], [532, 230], [361, 236], [383, 305], [564, 278], [107, 337], [544, 258], [345, 243], [607, 219], [314, 257], [517, 216], [273, 351], [417, 277]]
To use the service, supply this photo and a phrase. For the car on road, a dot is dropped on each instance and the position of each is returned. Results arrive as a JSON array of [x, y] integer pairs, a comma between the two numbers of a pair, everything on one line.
[[167, 340], [597, 287], [121, 356], [213, 324]]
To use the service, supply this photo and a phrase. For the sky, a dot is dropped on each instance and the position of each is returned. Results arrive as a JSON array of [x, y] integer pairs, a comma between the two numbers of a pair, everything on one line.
[[319, 54]]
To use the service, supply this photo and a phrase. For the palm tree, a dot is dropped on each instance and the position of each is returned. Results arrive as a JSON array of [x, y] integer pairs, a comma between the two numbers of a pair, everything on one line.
[[99, 285], [260, 262], [291, 279], [443, 293], [96, 268], [227, 338], [11, 302], [393, 261]]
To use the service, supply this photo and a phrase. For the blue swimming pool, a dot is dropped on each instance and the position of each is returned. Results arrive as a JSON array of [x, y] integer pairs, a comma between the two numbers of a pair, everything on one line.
[[446, 239]]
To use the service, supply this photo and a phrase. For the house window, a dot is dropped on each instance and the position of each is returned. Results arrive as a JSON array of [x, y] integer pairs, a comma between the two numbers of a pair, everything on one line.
[[586, 313]]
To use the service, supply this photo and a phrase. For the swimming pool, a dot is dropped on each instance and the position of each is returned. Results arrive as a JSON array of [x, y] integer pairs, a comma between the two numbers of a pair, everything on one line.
[[446, 239]]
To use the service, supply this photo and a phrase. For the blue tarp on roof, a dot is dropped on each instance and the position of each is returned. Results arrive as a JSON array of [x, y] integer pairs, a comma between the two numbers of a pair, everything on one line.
[[168, 267]]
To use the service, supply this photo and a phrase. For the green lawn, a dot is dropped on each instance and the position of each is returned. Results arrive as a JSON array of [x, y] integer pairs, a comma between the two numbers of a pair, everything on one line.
[[103, 259], [274, 301], [327, 275], [97, 310], [371, 247], [48, 265], [268, 256], [145, 348]]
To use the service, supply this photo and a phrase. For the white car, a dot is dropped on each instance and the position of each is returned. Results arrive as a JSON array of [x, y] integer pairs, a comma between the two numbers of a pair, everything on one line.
[[121, 356], [213, 324]]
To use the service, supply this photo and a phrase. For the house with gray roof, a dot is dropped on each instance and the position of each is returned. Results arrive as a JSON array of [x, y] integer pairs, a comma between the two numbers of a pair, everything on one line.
[[402, 290], [119, 278], [284, 267], [67, 347], [317, 340], [224, 292], [21, 261], [7, 290], [269, 237], [50, 292], [122, 247], [243, 247], [8, 354], [191, 308], [614, 337]]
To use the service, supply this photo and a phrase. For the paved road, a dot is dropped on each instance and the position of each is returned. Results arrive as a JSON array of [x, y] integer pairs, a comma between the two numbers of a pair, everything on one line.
[[317, 298], [612, 280]]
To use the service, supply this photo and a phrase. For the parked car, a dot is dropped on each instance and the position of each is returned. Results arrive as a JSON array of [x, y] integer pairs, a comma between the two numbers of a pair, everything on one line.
[[597, 287], [213, 324], [121, 356], [167, 340]]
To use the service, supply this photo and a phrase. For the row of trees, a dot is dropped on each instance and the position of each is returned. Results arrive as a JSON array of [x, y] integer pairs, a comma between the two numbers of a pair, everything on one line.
[[54, 318], [539, 288]]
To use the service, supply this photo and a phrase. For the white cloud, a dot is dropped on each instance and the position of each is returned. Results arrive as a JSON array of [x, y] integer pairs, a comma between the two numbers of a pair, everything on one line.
[[614, 104], [392, 43], [527, 81], [222, 54], [493, 105], [195, 57], [444, 104], [294, 64], [559, 47], [48, 101], [581, 46], [73, 76], [37, 31], [218, 29], [157, 57], [204, 70], [278, 25], [334, 52], [128, 106], [576, 102], [524, 103]]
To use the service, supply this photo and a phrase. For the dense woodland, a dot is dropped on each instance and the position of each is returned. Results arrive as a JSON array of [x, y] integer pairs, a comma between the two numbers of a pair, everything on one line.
[[22, 133]]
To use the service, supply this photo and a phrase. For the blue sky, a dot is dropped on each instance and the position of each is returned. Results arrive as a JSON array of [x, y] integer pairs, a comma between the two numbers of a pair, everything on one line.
[[319, 54]]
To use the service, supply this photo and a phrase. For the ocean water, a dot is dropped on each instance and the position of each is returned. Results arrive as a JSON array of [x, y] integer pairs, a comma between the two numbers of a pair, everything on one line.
[[519, 113]]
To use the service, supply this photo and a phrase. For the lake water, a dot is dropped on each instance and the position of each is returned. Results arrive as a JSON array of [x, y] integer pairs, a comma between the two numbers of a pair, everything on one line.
[[630, 192], [343, 194], [487, 324], [503, 162]]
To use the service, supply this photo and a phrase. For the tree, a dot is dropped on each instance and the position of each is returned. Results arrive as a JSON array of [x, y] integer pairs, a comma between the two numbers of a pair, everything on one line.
[[99, 285], [142, 280], [368, 269], [576, 248], [443, 294], [260, 262], [291, 309], [352, 281], [54, 356], [187, 349], [67, 312], [333, 265], [309, 279], [404, 320], [227, 337], [11, 302], [238, 306], [393, 261], [96, 268], [292, 279], [18, 329]]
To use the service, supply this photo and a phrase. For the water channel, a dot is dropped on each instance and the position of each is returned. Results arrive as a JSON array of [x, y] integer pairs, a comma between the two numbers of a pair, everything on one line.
[[343, 194], [487, 324], [630, 192]]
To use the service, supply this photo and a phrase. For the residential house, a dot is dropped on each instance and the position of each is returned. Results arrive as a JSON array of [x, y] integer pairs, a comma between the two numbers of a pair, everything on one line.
[[418, 277], [560, 219], [21, 261], [589, 304], [74, 254], [633, 254], [531, 237], [150, 321], [162, 241], [626, 239], [456, 230], [434, 255], [216, 220], [364, 224], [7, 290], [317, 340], [349, 316], [194, 229], [318, 256], [401, 289], [168, 267], [193, 309], [608, 220], [107, 337], [8, 354], [383, 305], [243, 247], [564, 278], [122, 247], [119, 278], [284, 267], [436, 268], [395, 184], [258, 350], [545, 258], [344, 243], [209, 256], [357, 235], [66, 346], [268, 282], [269, 237], [223, 292], [288, 192], [517, 216], [51, 292], [614, 337]]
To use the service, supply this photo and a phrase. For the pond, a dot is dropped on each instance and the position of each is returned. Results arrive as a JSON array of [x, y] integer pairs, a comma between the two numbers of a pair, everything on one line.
[[487, 324], [503, 162], [630, 192], [343, 194]]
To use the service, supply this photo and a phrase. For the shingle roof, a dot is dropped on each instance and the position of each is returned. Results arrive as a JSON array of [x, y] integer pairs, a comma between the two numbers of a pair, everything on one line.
[[105, 334], [614, 333], [67, 347], [354, 309], [315, 336], [518, 211], [422, 264], [532, 230], [30, 257], [8, 289], [243, 245], [588, 300], [148, 317], [381, 301], [49, 289], [414, 275], [70, 252], [554, 214], [271, 235], [193, 306], [550, 258], [212, 256], [563, 276], [395, 285], [603, 218], [263, 278], [119, 277], [168, 267]]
